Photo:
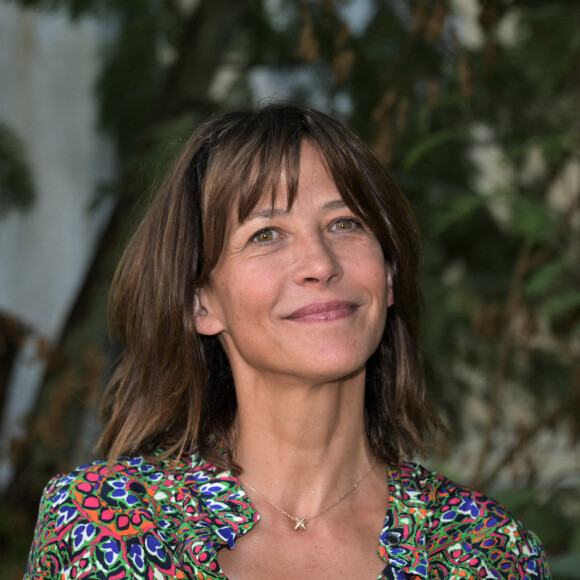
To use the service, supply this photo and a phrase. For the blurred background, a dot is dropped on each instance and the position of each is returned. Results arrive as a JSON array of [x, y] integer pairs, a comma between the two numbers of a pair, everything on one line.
[[474, 105]]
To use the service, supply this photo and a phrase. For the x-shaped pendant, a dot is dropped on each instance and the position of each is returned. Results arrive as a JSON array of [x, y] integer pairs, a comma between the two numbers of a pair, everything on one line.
[[300, 524]]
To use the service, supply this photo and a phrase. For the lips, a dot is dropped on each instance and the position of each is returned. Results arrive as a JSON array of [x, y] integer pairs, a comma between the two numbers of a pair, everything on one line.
[[323, 311]]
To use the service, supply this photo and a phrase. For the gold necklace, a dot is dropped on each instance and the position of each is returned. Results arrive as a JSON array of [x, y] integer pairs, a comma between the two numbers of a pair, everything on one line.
[[301, 522]]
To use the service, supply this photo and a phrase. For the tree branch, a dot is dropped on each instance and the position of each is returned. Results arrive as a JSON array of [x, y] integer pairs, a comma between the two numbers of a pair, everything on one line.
[[566, 407]]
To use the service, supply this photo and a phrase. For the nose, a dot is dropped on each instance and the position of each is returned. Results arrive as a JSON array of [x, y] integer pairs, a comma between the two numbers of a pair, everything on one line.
[[316, 261]]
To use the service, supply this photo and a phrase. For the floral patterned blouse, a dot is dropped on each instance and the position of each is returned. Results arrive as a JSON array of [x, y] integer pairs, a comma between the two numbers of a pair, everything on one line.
[[168, 519]]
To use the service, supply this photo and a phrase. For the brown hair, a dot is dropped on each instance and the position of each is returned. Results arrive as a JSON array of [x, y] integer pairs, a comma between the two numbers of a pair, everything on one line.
[[174, 388]]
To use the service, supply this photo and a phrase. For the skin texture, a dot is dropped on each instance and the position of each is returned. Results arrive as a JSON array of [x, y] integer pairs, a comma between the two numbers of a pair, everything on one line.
[[299, 299]]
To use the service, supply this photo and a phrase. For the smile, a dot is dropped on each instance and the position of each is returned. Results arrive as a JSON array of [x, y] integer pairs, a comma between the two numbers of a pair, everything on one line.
[[323, 311]]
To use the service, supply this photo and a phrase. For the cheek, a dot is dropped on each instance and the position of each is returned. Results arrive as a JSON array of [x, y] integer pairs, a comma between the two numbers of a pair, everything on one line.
[[248, 295], [375, 275], [371, 265]]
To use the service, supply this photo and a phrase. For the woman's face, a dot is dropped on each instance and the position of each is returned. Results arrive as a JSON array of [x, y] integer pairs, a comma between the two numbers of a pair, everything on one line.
[[300, 294]]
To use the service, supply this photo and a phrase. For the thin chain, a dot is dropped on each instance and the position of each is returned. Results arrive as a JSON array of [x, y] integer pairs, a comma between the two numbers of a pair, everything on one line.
[[301, 522]]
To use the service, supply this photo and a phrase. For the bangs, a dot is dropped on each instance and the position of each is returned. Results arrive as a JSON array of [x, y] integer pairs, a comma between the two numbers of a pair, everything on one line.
[[264, 181], [269, 165]]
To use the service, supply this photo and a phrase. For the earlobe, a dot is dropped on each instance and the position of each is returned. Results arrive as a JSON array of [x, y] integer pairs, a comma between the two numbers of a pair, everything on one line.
[[206, 323]]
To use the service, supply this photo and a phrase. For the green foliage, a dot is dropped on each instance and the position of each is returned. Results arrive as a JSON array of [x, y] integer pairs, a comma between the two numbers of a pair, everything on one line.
[[17, 191], [549, 40], [546, 276], [561, 303], [532, 220], [457, 209], [127, 92], [430, 142], [74, 8]]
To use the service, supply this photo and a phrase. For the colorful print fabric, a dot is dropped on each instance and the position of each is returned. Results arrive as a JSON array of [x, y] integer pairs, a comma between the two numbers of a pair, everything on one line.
[[168, 519]]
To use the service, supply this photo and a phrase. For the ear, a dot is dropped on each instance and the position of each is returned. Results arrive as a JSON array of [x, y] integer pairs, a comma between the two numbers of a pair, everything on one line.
[[206, 322], [390, 296]]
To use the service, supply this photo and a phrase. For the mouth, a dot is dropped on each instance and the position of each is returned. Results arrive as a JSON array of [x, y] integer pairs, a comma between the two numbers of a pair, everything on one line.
[[323, 311]]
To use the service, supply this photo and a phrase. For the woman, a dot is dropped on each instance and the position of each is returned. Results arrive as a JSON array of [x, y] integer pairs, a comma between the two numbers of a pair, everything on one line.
[[271, 384]]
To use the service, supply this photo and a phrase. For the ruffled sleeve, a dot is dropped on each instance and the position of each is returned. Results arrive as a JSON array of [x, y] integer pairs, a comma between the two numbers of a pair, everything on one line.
[[102, 523], [438, 529], [469, 531]]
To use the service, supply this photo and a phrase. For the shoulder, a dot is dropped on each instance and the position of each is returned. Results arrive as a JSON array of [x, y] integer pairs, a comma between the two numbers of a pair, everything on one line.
[[463, 527], [121, 517], [129, 483]]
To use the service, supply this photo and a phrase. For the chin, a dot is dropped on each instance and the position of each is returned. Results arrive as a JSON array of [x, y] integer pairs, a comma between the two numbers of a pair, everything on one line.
[[350, 357], [336, 369]]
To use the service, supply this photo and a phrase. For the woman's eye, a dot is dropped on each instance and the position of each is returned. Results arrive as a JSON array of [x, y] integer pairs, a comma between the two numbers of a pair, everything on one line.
[[344, 224], [264, 236]]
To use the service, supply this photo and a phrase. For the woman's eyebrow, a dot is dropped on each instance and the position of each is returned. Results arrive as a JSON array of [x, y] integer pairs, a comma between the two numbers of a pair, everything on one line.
[[269, 213], [334, 204], [266, 214]]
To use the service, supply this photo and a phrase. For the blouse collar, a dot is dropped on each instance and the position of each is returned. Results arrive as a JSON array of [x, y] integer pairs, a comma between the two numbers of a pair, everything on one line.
[[229, 513]]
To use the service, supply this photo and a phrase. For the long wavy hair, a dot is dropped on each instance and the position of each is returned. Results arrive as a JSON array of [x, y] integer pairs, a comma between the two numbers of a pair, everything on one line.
[[173, 388]]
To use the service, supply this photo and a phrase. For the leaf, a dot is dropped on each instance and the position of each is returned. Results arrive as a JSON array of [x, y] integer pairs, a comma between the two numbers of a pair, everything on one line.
[[426, 145], [533, 220], [458, 209], [543, 277], [17, 191], [549, 42], [561, 304], [553, 145]]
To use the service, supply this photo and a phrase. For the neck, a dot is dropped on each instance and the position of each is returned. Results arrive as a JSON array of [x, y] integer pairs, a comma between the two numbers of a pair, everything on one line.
[[302, 445]]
